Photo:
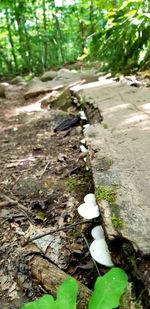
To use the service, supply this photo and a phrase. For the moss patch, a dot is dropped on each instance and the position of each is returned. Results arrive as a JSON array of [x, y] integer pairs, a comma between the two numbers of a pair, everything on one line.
[[117, 221], [72, 183], [106, 193]]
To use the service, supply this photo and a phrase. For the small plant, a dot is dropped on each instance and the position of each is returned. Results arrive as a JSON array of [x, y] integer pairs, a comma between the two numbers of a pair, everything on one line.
[[107, 292], [72, 183], [117, 222], [82, 102], [105, 193]]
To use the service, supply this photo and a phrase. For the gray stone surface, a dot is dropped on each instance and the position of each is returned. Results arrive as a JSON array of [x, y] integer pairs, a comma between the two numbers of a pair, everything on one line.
[[123, 139], [49, 75], [64, 78]]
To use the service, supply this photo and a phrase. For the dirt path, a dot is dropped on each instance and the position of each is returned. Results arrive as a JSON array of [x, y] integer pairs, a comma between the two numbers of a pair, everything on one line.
[[43, 179]]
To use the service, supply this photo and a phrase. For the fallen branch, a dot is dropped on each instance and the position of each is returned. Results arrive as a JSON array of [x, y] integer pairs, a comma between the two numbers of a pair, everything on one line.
[[66, 227], [44, 170], [50, 277]]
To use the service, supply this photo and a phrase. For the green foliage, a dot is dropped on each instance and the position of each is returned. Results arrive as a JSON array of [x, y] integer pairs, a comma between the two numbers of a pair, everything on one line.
[[38, 35], [122, 40], [66, 298], [117, 222], [107, 292], [105, 193], [72, 183]]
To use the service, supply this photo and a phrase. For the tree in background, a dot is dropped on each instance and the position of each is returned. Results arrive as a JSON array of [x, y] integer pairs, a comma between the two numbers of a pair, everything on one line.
[[36, 35]]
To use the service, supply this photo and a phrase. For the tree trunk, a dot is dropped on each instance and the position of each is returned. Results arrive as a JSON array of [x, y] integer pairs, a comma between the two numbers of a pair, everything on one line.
[[45, 35], [11, 39], [58, 31], [92, 16], [24, 52], [6, 61]]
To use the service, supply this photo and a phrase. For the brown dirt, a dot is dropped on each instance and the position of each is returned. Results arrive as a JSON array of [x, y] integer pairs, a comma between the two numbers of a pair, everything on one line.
[[43, 178]]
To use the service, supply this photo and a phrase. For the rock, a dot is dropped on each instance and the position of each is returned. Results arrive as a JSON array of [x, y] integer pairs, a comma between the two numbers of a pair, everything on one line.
[[35, 80], [49, 75], [28, 186], [126, 143], [58, 99], [18, 80], [2, 91], [89, 78], [67, 74], [37, 87]]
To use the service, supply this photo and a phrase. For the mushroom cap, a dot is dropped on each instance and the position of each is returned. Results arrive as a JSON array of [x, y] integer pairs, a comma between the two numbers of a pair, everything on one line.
[[100, 252], [98, 232], [88, 212], [90, 199]]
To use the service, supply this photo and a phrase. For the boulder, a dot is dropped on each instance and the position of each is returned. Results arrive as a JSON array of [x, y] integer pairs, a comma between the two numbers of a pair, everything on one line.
[[58, 99], [66, 74], [18, 80], [49, 75]]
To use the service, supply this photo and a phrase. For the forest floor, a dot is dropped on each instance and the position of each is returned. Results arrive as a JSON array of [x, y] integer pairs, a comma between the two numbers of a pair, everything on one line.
[[44, 178]]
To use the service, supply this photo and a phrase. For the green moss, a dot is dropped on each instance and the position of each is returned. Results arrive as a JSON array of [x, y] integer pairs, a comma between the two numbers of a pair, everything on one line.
[[117, 221], [108, 163], [105, 193], [72, 183], [105, 126], [82, 102]]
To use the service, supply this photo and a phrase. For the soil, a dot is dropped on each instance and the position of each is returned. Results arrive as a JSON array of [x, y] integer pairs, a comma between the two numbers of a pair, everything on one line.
[[43, 180]]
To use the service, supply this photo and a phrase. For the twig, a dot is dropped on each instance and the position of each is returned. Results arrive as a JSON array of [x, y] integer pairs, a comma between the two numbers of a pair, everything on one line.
[[94, 262], [69, 226], [44, 170], [9, 202]]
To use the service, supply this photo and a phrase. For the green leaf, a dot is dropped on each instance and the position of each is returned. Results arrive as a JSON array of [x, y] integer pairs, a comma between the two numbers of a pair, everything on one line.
[[67, 294], [40, 216], [45, 302], [108, 289]]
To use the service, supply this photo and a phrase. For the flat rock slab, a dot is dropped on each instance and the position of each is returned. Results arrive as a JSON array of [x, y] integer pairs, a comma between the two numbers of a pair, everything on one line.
[[120, 148], [64, 78]]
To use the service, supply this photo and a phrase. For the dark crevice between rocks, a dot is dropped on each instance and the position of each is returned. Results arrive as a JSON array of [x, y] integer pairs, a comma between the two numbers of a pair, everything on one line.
[[93, 114]]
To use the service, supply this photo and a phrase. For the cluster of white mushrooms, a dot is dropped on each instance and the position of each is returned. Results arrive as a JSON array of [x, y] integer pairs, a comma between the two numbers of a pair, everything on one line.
[[98, 248]]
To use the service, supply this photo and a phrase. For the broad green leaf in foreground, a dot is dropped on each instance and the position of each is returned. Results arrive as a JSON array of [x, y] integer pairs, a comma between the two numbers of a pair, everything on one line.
[[108, 289], [44, 302], [66, 297], [67, 294]]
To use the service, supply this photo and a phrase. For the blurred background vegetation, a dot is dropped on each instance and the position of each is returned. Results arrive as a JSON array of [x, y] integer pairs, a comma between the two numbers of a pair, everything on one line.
[[37, 35]]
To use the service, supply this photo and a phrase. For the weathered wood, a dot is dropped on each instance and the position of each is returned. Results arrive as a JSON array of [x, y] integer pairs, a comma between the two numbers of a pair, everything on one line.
[[50, 277]]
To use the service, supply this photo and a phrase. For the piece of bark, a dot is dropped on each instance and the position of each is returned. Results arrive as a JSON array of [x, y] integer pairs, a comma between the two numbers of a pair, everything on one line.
[[67, 123], [50, 277]]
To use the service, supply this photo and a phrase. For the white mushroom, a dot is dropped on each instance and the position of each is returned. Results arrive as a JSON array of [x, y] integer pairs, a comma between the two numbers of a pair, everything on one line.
[[90, 199], [86, 126], [88, 211], [98, 232], [100, 252], [83, 141], [82, 115], [83, 149]]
